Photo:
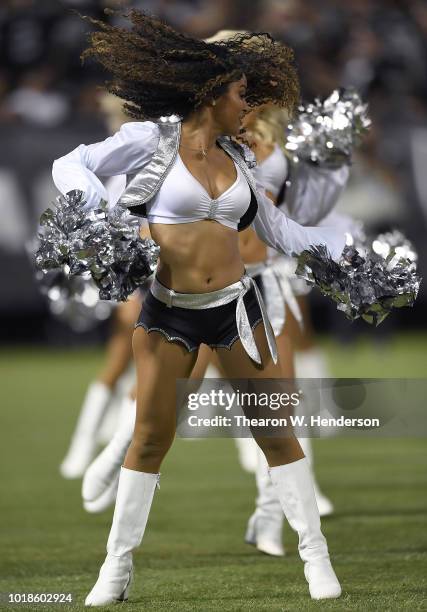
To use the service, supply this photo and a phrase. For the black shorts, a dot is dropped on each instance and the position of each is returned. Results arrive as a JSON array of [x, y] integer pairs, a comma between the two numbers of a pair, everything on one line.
[[215, 327]]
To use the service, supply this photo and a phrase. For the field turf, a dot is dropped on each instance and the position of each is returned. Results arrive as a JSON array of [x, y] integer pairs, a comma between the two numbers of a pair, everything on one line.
[[193, 556]]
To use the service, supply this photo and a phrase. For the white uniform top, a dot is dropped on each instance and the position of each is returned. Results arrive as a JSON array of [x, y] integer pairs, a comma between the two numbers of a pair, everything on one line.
[[132, 148], [183, 199], [272, 172]]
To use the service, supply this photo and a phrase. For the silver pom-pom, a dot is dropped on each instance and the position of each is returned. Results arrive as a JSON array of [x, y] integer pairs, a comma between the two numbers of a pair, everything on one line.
[[107, 245], [74, 299], [326, 132], [403, 248], [367, 285]]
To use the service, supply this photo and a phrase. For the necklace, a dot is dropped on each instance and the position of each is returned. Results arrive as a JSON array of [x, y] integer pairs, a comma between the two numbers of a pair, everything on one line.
[[201, 151]]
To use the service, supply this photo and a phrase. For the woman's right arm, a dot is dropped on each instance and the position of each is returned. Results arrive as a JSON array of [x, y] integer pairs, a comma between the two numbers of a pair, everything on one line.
[[127, 151]]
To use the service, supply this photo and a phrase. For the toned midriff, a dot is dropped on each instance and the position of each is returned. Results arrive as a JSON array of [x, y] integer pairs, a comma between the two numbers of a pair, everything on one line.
[[252, 249], [197, 257]]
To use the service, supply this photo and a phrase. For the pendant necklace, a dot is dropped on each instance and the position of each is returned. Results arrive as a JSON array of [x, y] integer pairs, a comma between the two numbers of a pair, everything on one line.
[[201, 151]]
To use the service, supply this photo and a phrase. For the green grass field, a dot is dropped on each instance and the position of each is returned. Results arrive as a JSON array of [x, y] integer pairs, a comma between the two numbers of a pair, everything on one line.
[[193, 556]]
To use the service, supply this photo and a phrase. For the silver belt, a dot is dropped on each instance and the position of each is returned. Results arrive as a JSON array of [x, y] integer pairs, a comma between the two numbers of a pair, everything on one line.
[[278, 293], [213, 299], [254, 269]]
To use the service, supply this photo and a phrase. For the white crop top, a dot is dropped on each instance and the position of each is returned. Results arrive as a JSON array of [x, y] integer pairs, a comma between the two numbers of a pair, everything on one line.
[[272, 171], [183, 199], [132, 148]]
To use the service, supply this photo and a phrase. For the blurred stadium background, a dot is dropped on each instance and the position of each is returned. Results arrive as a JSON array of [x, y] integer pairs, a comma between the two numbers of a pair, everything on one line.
[[194, 557]]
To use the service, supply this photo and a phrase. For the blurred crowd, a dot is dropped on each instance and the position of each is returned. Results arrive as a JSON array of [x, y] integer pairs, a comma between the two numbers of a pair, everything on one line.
[[49, 102]]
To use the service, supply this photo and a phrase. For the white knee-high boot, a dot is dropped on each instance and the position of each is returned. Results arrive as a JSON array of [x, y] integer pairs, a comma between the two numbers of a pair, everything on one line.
[[122, 390], [134, 498], [311, 363], [105, 500], [84, 440], [295, 491], [265, 526], [247, 450], [326, 507], [100, 475]]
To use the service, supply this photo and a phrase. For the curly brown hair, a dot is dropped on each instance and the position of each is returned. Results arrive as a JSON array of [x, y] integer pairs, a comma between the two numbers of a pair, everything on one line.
[[158, 71]]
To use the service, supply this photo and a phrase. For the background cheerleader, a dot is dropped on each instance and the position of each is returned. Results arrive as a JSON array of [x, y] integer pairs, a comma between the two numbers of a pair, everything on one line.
[[101, 406]]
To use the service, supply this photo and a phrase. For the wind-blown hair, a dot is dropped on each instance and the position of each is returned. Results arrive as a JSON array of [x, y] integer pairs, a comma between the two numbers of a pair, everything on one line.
[[158, 71], [265, 124]]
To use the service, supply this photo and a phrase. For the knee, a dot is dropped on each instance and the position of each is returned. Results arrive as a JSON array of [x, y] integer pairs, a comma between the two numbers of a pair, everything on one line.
[[272, 446], [279, 451], [151, 446]]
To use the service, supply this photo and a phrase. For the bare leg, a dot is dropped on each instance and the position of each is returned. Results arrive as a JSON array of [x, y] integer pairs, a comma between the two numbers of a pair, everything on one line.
[[265, 525], [99, 394], [290, 474], [101, 478], [286, 355], [119, 346], [158, 365], [302, 339], [310, 362], [204, 358], [237, 364]]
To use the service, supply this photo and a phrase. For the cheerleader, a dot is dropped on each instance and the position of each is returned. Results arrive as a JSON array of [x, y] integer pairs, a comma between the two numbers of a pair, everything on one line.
[[192, 183], [104, 393], [99, 412]]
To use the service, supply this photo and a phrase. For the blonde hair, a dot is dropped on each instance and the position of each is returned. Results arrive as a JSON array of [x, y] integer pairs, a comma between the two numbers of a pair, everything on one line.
[[267, 125]]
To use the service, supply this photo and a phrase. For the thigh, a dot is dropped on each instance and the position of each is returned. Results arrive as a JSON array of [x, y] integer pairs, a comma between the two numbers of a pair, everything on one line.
[[198, 373], [286, 355], [204, 357], [302, 339], [281, 446], [236, 363], [126, 315], [159, 364]]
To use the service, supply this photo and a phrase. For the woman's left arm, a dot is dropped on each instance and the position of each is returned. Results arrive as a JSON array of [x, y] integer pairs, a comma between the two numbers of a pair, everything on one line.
[[290, 238], [313, 191]]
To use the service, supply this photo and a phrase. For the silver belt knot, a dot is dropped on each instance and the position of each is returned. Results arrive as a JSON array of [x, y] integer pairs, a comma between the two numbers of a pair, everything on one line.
[[244, 328], [278, 293]]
